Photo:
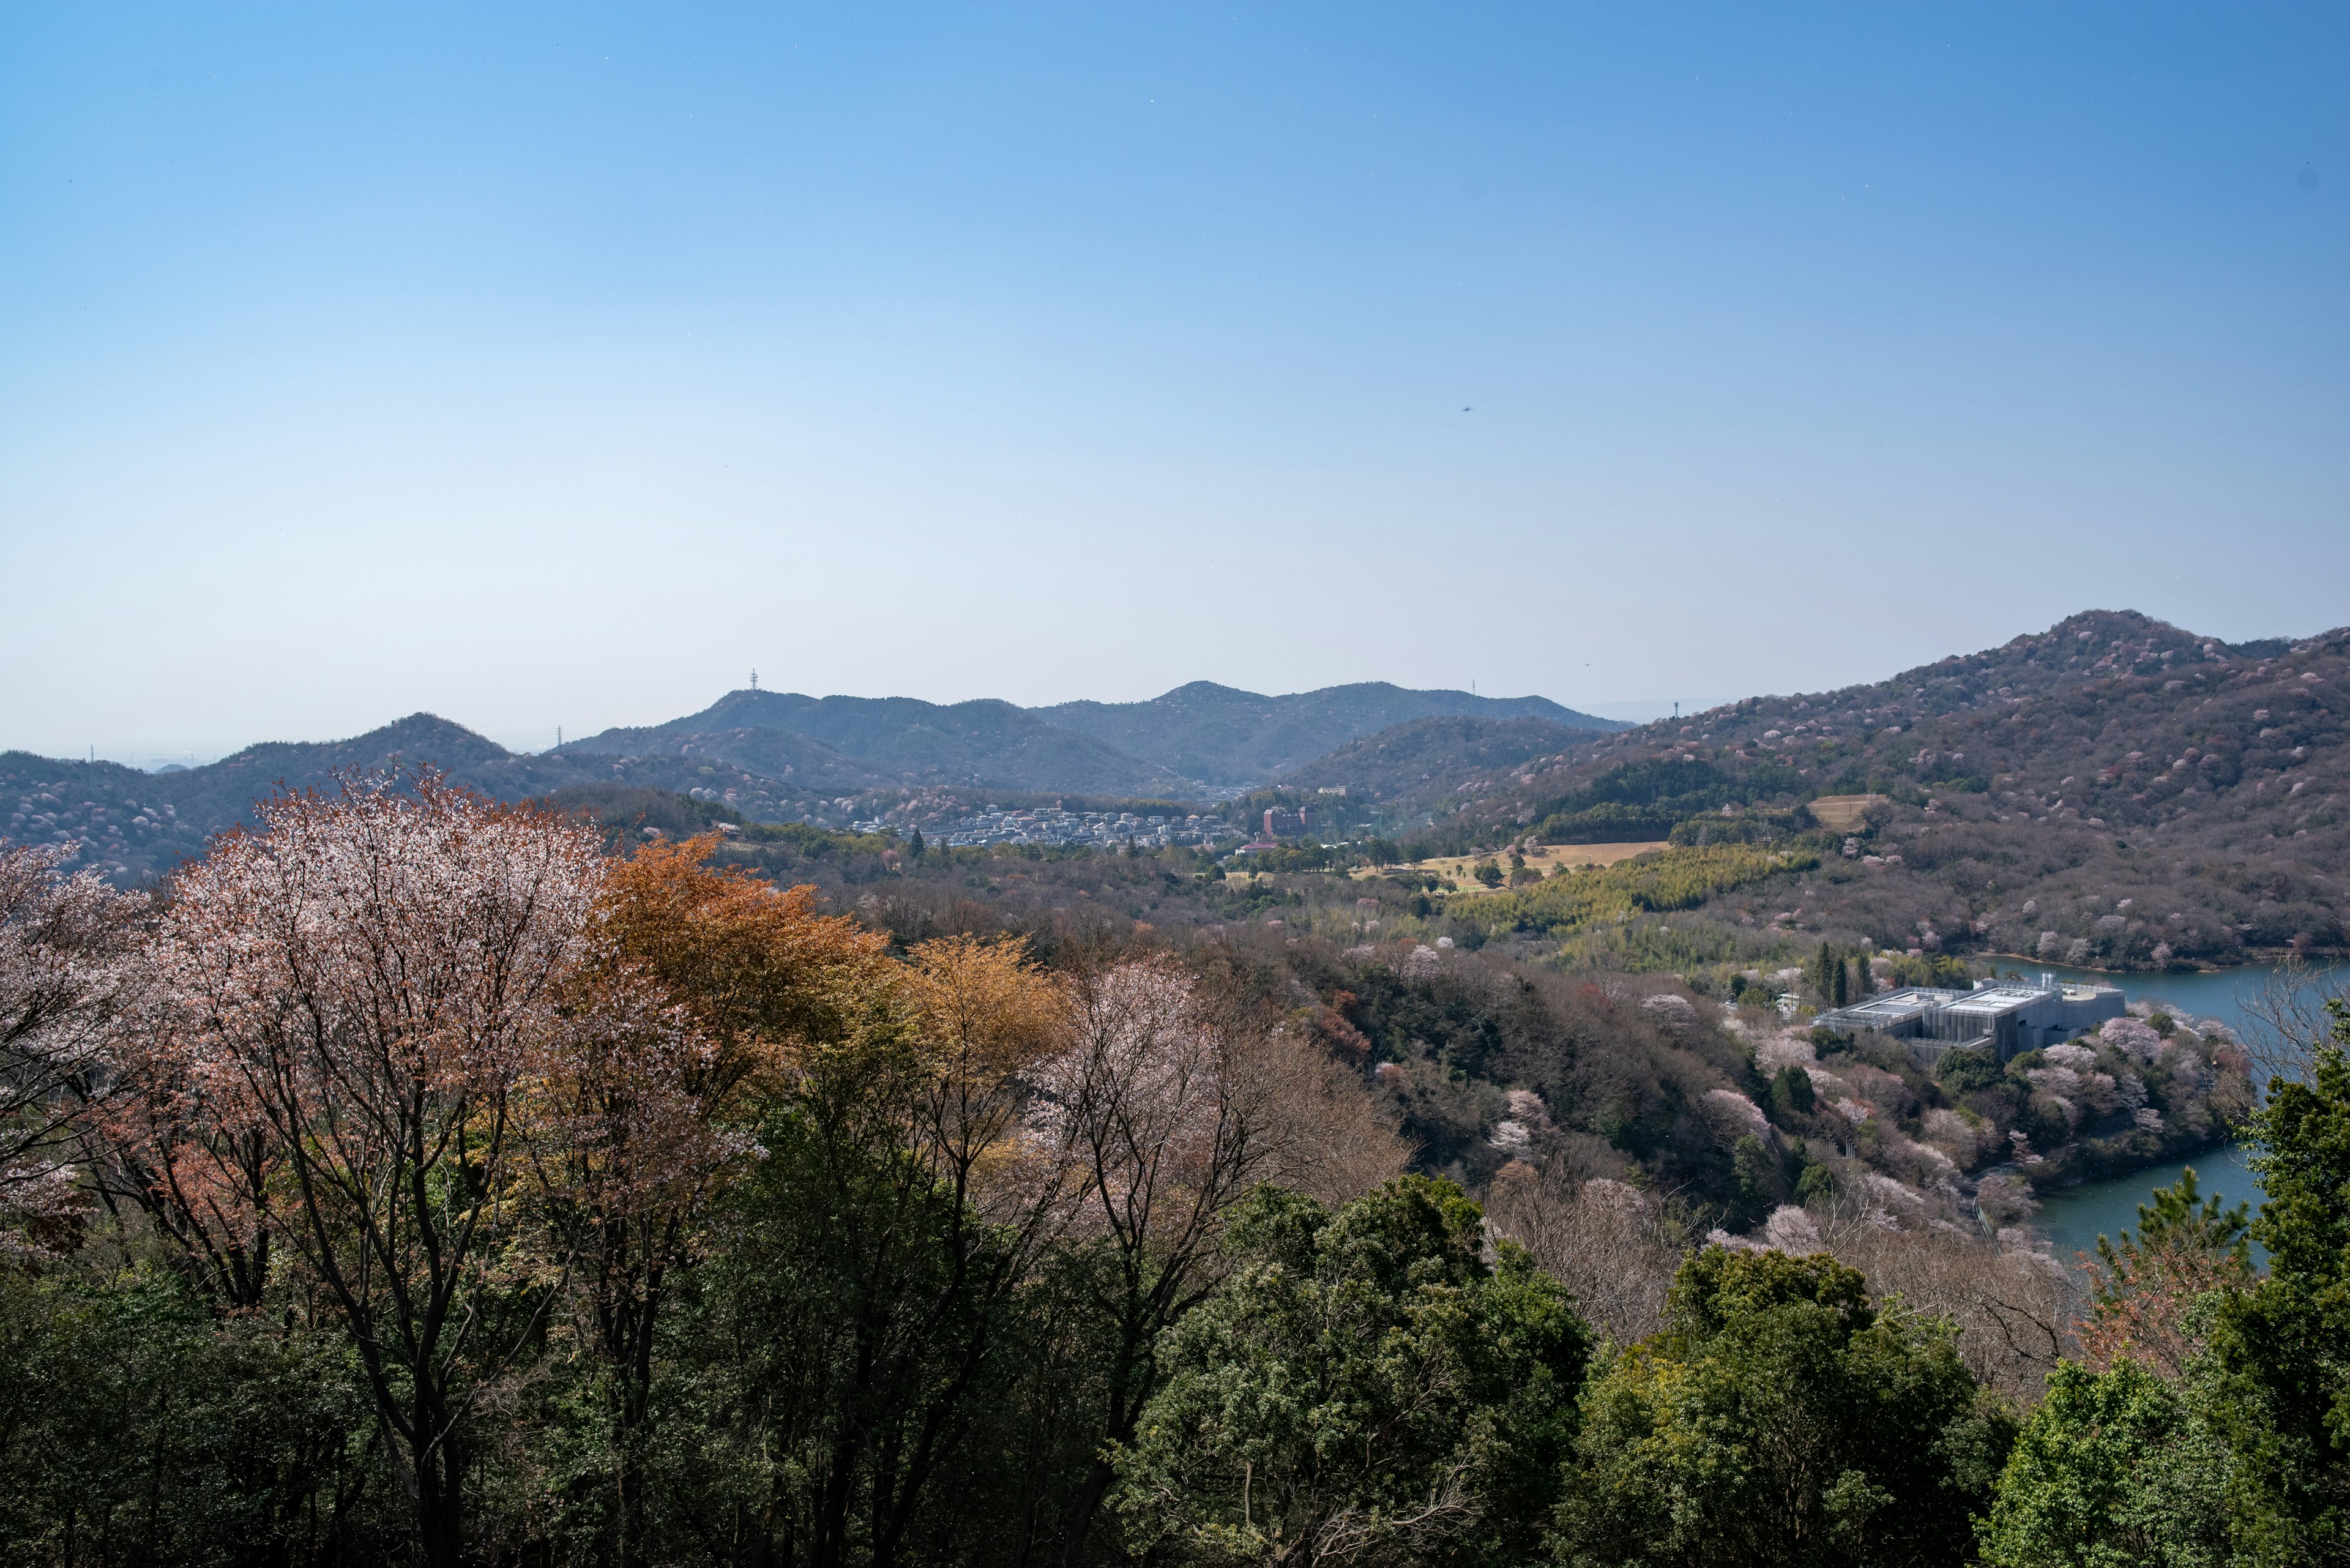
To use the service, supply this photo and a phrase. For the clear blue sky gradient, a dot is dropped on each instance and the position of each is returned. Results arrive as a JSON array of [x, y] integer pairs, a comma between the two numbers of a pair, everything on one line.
[[559, 364]]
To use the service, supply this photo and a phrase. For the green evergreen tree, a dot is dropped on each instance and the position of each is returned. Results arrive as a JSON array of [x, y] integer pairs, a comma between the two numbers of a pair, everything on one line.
[[2114, 1470], [1368, 1388], [1791, 1093], [2282, 1348], [1781, 1419], [1828, 976]]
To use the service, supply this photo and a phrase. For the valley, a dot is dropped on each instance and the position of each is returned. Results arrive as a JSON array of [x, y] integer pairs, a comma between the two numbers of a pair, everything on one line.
[[1543, 960], [2113, 792]]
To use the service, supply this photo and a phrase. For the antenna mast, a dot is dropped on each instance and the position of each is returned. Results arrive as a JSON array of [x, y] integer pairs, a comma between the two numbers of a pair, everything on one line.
[[754, 680]]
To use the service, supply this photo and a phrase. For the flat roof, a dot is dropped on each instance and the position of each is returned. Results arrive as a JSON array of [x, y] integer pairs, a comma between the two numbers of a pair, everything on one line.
[[1987, 999]]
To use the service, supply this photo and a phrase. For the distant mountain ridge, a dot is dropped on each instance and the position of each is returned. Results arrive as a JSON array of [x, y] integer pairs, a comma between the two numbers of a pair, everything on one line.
[[1201, 733], [898, 741], [133, 824], [770, 755], [1220, 735]]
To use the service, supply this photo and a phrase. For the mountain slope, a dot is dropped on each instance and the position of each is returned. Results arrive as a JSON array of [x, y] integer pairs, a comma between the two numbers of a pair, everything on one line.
[[2115, 791], [132, 824], [898, 739], [1223, 736], [1430, 756]]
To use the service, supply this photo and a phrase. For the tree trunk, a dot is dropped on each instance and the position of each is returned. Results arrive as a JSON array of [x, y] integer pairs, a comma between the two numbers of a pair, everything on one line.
[[1125, 1411], [440, 1523]]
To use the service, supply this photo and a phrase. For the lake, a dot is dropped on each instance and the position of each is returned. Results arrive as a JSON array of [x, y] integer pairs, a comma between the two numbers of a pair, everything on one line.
[[2075, 1217], [2223, 994]]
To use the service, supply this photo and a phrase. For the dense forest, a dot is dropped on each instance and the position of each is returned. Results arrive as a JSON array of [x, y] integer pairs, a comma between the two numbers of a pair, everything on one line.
[[418, 1177]]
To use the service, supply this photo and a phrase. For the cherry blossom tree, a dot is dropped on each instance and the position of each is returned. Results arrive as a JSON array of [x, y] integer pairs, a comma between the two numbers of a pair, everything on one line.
[[68, 972], [1168, 1107], [183, 1140], [381, 976]]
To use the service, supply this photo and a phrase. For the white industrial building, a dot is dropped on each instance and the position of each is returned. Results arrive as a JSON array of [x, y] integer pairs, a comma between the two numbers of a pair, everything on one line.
[[2004, 1016]]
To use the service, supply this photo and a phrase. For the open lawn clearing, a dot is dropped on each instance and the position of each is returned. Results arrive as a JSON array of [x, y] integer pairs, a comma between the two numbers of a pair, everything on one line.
[[1545, 858], [1843, 812]]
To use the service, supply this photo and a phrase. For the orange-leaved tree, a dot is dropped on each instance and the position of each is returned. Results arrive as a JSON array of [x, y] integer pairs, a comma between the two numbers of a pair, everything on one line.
[[878, 1253], [706, 987]]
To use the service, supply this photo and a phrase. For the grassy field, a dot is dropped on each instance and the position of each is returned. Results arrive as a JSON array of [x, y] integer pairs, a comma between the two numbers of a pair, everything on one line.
[[1544, 859], [1842, 812]]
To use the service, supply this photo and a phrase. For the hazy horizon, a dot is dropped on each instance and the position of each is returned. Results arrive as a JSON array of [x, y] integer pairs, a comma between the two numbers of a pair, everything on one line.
[[151, 757], [561, 366]]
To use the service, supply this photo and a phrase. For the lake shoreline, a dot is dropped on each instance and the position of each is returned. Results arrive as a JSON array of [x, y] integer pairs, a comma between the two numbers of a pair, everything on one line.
[[2267, 959], [2073, 1218], [2228, 1139]]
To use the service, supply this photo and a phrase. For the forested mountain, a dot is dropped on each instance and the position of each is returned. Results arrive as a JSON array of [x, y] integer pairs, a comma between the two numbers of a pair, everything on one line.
[[1432, 756], [1199, 734], [132, 824], [2113, 791], [1220, 735], [895, 740]]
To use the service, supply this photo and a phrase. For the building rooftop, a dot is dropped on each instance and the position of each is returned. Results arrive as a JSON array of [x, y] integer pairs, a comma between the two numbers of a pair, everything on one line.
[[2012, 1015]]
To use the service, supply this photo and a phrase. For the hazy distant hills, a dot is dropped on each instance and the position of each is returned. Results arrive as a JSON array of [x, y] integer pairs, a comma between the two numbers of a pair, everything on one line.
[[1197, 734], [899, 741], [771, 756], [1220, 736], [133, 824], [1430, 756]]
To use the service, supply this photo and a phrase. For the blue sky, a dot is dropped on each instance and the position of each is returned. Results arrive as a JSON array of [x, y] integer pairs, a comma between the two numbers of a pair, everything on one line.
[[558, 365]]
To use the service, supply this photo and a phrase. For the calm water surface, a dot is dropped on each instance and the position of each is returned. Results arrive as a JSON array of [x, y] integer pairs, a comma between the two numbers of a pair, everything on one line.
[[2225, 995], [2075, 1217]]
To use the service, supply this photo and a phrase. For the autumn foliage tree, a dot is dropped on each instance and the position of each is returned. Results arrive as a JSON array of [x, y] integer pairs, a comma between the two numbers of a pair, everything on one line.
[[874, 1257], [701, 992]]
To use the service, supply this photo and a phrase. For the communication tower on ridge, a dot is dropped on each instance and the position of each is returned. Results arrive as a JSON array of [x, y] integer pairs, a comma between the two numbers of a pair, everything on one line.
[[754, 680]]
